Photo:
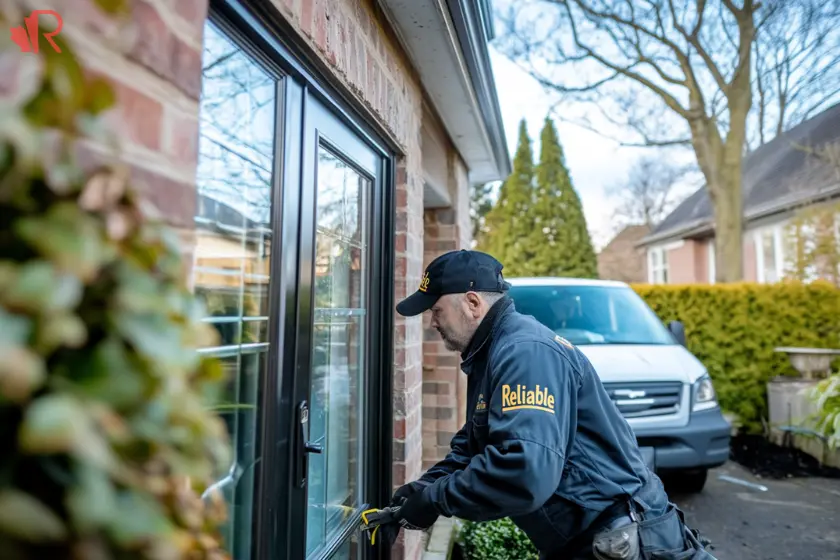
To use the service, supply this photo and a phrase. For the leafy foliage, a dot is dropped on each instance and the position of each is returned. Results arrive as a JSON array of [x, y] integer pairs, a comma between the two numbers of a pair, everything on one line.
[[560, 240], [734, 328], [827, 396], [508, 223], [537, 226], [105, 434], [814, 244], [496, 540]]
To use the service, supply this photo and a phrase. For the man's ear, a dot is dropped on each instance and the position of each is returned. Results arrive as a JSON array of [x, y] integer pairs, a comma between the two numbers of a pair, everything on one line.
[[474, 302]]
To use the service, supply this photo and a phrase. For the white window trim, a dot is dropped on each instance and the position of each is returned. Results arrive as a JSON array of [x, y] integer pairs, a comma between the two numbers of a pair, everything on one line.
[[710, 251], [663, 251], [777, 231]]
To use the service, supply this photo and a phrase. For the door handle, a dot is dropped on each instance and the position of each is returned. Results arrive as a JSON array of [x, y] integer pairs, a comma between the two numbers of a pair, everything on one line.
[[303, 445]]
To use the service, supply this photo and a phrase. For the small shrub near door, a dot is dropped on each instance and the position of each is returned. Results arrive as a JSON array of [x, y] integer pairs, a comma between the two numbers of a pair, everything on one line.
[[495, 540], [734, 328]]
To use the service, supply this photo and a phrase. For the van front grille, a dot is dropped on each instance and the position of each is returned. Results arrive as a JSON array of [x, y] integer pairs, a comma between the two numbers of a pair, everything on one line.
[[642, 400]]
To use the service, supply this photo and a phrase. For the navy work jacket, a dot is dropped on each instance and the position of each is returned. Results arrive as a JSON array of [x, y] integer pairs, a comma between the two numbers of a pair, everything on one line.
[[542, 444]]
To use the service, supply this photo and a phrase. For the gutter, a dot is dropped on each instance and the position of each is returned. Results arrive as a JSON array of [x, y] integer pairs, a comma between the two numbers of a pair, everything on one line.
[[446, 41], [474, 26]]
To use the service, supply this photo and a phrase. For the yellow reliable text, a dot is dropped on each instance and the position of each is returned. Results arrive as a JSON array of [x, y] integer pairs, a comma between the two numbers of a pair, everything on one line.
[[521, 397]]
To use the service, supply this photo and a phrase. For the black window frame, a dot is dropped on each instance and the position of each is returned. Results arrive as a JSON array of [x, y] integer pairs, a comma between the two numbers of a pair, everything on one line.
[[263, 33]]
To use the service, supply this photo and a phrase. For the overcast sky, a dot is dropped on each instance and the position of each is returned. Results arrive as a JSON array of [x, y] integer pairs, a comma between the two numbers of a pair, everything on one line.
[[595, 163]]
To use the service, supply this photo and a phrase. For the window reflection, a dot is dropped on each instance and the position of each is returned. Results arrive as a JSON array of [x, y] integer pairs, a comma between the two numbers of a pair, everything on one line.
[[233, 245], [338, 354]]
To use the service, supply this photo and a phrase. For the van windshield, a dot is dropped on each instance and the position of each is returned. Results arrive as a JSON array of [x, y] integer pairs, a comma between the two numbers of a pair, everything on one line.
[[592, 314]]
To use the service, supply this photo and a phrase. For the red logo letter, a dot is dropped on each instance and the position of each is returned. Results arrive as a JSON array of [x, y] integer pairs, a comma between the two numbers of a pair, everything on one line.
[[27, 39]]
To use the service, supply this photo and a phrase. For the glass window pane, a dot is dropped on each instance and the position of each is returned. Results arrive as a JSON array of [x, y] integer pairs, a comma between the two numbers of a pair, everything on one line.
[[233, 246], [338, 353]]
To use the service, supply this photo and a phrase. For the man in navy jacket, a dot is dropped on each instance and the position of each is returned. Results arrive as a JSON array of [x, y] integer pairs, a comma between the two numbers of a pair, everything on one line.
[[543, 443]]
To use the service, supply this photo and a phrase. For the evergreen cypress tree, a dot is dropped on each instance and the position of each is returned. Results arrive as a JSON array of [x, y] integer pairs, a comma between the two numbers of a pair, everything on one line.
[[559, 240], [508, 224]]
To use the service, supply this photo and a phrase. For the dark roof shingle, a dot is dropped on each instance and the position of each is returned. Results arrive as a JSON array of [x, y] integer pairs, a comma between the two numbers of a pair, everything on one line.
[[776, 174]]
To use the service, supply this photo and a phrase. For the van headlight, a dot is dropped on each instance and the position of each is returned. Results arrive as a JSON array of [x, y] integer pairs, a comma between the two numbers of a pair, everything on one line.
[[704, 397]]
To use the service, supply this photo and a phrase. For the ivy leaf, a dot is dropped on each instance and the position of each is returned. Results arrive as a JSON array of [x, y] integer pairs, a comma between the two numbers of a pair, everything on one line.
[[14, 329], [156, 337], [55, 423], [26, 518], [140, 519], [39, 288], [63, 330], [22, 372], [113, 7], [68, 237], [99, 96], [92, 502]]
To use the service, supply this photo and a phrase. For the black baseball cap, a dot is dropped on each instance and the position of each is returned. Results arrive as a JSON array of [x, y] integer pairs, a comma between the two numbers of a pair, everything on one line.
[[455, 272]]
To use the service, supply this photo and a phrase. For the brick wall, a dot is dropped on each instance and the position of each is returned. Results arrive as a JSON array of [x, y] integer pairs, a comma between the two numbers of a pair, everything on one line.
[[440, 366], [621, 260], [152, 56], [353, 38], [444, 385]]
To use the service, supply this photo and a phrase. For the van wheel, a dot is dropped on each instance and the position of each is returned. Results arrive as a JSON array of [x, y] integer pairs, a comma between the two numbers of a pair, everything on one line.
[[691, 482]]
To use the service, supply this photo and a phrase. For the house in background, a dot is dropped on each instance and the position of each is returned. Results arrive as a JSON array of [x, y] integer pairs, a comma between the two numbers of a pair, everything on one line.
[[779, 178], [313, 155], [621, 259]]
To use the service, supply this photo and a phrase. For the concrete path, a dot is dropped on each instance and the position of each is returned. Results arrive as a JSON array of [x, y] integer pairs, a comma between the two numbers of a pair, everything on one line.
[[794, 518]]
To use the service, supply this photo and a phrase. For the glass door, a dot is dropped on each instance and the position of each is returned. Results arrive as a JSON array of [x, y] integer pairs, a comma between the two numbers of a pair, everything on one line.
[[339, 175]]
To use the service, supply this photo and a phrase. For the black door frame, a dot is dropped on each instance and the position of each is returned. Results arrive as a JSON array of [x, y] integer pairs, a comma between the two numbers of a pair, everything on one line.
[[272, 40]]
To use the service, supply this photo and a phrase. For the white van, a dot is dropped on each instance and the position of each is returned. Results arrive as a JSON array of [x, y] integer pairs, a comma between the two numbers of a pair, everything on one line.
[[661, 388]]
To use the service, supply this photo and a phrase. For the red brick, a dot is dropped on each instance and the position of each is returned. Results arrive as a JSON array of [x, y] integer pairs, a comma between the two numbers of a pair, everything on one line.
[[399, 473], [321, 25], [399, 428], [306, 19], [175, 201], [400, 242], [399, 355], [399, 334], [158, 49], [400, 267], [136, 116], [182, 138], [193, 11]]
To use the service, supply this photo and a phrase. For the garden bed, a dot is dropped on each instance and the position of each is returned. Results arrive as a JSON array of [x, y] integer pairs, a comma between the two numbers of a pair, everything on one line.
[[766, 459]]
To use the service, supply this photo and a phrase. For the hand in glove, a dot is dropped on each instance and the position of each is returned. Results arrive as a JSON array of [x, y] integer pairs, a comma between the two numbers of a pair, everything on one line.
[[406, 490], [418, 512]]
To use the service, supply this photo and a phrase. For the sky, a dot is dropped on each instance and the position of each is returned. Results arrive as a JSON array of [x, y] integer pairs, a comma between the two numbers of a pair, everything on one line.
[[595, 163]]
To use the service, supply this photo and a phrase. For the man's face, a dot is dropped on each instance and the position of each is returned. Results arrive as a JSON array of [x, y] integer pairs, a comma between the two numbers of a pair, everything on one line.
[[456, 317]]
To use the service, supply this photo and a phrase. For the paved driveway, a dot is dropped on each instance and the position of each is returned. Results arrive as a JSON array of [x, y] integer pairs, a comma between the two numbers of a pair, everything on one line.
[[794, 518]]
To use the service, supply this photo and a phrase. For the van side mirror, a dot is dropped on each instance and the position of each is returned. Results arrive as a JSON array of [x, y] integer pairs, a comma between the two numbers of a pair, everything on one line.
[[677, 329]]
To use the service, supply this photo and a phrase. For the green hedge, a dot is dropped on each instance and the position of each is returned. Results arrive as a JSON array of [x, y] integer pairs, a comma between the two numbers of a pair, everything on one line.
[[495, 540], [733, 329]]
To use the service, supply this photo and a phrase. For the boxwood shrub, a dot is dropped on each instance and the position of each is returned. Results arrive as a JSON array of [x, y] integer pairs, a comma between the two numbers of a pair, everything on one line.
[[733, 329], [495, 540]]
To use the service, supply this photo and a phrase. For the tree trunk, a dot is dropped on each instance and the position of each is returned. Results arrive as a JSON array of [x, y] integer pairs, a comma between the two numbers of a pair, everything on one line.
[[721, 166], [728, 211]]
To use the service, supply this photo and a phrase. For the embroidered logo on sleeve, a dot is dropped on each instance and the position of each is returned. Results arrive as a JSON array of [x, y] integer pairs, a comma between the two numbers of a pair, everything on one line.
[[563, 341], [521, 397], [481, 405]]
